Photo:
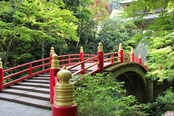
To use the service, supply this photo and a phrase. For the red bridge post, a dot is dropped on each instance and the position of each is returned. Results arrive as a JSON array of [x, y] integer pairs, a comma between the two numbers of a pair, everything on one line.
[[145, 65], [64, 104], [112, 56], [132, 55], [120, 52], [100, 58], [1, 75], [139, 59], [82, 59], [53, 72]]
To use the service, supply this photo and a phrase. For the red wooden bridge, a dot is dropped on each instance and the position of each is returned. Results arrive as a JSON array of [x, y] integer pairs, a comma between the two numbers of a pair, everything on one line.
[[36, 86]]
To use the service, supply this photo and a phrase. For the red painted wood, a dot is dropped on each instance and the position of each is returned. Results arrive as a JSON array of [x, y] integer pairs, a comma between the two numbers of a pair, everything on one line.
[[64, 110], [26, 64], [69, 61], [40, 60], [40, 66], [15, 81], [83, 64], [17, 73], [100, 60], [112, 56], [53, 73], [94, 71], [139, 61], [39, 72], [1, 79], [30, 69], [16, 67], [121, 56], [132, 57]]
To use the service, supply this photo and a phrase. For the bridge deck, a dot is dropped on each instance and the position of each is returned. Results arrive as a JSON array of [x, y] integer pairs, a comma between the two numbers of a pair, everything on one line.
[[86, 65]]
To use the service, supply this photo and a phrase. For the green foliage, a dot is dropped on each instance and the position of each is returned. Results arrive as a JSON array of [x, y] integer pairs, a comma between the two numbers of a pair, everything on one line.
[[159, 36], [114, 32], [162, 104], [161, 54], [102, 95], [26, 25]]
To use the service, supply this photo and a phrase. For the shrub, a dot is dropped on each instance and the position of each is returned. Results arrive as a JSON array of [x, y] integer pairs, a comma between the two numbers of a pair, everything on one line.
[[102, 95], [162, 104]]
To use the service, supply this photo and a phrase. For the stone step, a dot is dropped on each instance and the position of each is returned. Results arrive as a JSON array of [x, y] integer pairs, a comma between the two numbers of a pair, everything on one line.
[[37, 81], [30, 88], [42, 85], [40, 78], [26, 100], [29, 94]]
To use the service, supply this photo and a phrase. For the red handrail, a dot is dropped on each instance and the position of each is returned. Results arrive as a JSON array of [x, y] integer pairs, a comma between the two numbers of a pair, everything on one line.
[[29, 70]]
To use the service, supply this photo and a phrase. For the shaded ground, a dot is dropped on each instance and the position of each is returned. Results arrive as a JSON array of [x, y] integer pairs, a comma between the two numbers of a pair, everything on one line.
[[15, 109]]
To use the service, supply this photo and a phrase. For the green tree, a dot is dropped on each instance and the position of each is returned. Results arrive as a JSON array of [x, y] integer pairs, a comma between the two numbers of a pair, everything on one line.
[[32, 23], [158, 35]]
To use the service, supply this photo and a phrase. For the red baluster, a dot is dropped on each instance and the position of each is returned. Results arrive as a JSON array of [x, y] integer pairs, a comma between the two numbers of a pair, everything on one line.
[[30, 69], [132, 54], [112, 56], [69, 61], [82, 59], [139, 59], [100, 57], [145, 65], [120, 53], [1, 75], [53, 72]]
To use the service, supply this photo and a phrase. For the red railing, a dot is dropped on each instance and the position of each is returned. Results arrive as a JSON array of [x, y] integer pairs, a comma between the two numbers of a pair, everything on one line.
[[79, 62], [30, 68]]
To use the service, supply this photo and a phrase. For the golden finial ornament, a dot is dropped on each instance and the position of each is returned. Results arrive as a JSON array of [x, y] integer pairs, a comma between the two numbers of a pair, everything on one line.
[[100, 47], [64, 89], [120, 46], [132, 50], [139, 56], [52, 51], [81, 49], [54, 62], [0, 63], [145, 63]]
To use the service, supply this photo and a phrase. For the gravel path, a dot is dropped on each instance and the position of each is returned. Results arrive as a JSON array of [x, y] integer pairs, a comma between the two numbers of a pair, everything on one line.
[[15, 109]]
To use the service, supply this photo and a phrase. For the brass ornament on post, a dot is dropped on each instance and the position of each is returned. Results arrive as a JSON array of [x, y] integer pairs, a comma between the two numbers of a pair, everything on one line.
[[132, 50], [0, 63], [81, 49], [52, 51], [139, 56], [54, 62], [100, 47], [120, 46], [64, 89], [145, 63]]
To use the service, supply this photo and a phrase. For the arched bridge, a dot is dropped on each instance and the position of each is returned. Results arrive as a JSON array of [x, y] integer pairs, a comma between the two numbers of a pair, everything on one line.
[[32, 80]]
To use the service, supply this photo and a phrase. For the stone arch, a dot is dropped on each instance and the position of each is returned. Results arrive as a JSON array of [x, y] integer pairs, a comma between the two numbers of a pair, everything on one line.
[[133, 74]]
